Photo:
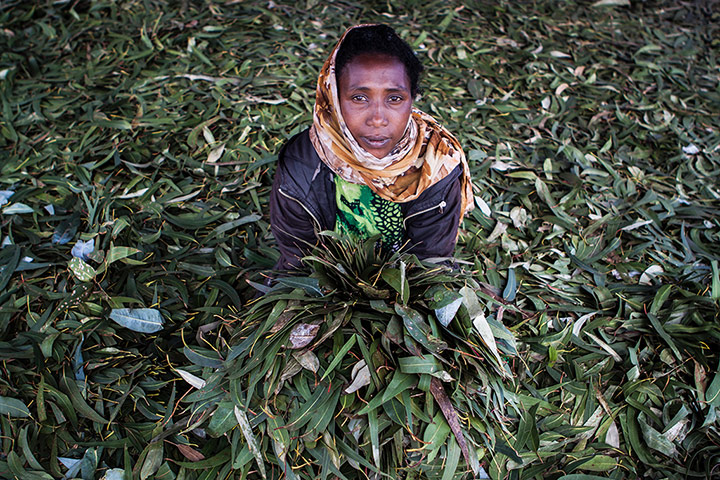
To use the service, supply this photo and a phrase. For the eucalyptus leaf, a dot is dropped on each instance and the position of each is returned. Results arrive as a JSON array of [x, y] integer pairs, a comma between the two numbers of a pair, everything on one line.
[[82, 250], [65, 230], [250, 439], [143, 320], [83, 271], [13, 407], [17, 208], [5, 196], [446, 313]]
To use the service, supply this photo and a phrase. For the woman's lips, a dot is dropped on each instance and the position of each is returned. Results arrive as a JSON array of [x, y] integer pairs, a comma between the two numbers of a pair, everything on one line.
[[376, 142]]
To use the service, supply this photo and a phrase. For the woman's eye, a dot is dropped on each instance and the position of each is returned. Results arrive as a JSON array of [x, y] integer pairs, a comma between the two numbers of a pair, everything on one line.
[[358, 98], [396, 98]]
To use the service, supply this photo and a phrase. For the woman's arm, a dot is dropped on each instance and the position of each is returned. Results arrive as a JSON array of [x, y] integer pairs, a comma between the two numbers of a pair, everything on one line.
[[291, 224], [432, 232]]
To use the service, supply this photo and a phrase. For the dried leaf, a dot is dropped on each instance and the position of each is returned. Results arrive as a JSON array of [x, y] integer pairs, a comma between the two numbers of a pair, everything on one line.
[[302, 335], [360, 377], [215, 154], [190, 453], [650, 274], [438, 392], [191, 379], [308, 360]]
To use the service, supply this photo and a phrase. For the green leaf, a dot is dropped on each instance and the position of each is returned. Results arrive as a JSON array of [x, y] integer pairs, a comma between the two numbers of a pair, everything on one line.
[[143, 320], [453, 459], [446, 305], [631, 430], [395, 277], [13, 407], [660, 329], [221, 458], [435, 435], [507, 450], [511, 286], [581, 476], [445, 23], [599, 463], [27, 451], [712, 394], [281, 443], [660, 297], [486, 334], [9, 261], [339, 356], [203, 357], [250, 439], [324, 414], [504, 338], [223, 419], [399, 383], [118, 253], [17, 208], [374, 436], [82, 271], [419, 330], [225, 227], [79, 404], [427, 365], [66, 230], [153, 460], [119, 124], [89, 463], [309, 285], [304, 413]]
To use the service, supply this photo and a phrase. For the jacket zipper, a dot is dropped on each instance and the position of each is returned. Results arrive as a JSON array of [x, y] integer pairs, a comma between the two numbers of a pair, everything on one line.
[[440, 205], [317, 223]]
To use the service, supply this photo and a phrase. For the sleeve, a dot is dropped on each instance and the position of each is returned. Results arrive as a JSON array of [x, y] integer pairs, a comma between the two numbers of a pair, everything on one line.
[[434, 233], [291, 225]]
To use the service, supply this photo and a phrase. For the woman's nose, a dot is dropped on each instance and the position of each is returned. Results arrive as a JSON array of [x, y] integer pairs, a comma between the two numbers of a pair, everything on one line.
[[377, 116]]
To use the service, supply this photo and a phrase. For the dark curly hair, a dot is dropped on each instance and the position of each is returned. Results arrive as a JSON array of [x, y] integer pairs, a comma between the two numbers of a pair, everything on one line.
[[379, 39]]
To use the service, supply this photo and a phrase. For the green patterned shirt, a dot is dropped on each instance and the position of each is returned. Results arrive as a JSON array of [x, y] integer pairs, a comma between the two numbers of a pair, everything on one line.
[[361, 214]]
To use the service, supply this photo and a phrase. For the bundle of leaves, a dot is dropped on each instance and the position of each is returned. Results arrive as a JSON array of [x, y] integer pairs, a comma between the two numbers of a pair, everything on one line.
[[368, 367]]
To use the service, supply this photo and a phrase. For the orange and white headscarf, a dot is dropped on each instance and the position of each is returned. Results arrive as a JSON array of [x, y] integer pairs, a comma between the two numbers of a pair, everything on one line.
[[426, 154]]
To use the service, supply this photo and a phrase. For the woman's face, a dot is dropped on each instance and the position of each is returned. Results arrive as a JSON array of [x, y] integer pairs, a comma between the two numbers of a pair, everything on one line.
[[375, 101]]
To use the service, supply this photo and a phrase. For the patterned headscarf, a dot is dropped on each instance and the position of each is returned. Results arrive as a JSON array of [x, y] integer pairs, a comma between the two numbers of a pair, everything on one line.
[[426, 154]]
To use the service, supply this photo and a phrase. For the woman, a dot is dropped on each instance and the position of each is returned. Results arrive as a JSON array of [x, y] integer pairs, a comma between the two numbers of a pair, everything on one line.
[[370, 164]]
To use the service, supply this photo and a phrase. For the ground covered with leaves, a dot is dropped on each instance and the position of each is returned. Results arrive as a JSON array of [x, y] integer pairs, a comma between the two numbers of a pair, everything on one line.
[[579, 338]]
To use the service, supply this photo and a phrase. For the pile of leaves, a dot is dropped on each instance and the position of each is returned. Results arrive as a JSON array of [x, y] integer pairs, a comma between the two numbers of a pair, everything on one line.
[[367, 367], [137, 148]]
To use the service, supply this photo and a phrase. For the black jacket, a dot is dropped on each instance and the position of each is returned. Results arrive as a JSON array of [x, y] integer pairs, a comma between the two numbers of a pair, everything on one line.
[[302, 203]]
